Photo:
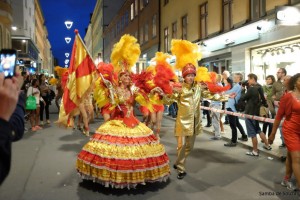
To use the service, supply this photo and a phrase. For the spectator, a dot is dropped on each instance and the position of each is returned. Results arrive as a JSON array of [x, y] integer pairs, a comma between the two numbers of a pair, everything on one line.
[[35, 114], [11, 120], [216, 115], [254, 97], [268, 95], [277, 92], [45, 94], [234, 122], [227, 80]]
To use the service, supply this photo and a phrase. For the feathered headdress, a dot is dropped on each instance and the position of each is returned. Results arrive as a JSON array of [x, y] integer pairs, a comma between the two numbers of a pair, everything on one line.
[[164, 72], [185, 52], [125, 53]]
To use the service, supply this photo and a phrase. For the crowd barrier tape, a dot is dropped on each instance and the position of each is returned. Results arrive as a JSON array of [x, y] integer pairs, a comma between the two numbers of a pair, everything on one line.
[[241, 115]]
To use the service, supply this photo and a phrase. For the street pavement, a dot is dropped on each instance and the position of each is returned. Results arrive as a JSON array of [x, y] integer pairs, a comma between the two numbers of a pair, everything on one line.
[[43, 168]]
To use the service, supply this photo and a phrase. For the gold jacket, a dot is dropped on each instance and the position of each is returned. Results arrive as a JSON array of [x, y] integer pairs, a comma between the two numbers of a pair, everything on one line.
[[188, 121]]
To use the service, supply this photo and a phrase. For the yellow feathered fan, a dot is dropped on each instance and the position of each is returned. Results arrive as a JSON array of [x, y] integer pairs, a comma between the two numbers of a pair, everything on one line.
[[202, 75], [125, 53], [185, 52], [60, 71]]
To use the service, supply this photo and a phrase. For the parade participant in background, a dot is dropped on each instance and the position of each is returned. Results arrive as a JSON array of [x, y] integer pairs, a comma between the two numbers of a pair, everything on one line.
[[108, 157], [188, 97]]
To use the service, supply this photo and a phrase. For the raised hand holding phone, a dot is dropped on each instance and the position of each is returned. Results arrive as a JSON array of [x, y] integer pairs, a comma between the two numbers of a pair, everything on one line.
[[8, 59]]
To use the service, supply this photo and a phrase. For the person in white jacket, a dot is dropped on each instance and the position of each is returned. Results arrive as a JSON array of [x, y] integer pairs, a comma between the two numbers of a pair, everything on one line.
[[35, 114]]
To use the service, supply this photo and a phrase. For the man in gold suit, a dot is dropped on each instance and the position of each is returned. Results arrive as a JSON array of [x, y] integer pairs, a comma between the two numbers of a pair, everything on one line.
[[188, 121]]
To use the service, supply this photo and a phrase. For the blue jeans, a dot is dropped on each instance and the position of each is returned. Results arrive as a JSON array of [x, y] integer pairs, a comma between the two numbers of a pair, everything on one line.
[[252, 127]]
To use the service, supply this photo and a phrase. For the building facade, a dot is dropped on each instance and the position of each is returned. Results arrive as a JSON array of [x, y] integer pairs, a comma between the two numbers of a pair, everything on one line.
[[139, 18], [45, 59], [6, 20], [96, 29]]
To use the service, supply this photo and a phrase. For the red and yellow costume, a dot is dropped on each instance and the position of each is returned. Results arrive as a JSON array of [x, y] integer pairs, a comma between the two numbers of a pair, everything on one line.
[[123, 152]]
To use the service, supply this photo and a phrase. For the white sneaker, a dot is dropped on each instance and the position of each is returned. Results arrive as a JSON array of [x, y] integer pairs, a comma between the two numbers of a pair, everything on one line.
[[288, 184]]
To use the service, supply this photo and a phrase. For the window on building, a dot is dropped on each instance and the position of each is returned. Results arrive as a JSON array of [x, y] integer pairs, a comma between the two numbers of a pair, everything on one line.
[[136, 7], [146, 31], [141, 35], [141, 4], [292, 2], [227, 15], [166, 2], [258, 9], [132, 11], [154, 25], [203, 20], [26, 25], [126, 18], [1, 39], [25, 2], [174, 30], [184, 23], [166, 39]]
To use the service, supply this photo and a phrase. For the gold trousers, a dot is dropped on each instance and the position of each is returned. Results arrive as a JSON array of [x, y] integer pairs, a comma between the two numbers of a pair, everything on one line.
[[185, 145]]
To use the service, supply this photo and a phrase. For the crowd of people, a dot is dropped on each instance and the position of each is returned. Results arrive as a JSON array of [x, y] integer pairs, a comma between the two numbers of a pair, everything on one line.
[[107, 158]]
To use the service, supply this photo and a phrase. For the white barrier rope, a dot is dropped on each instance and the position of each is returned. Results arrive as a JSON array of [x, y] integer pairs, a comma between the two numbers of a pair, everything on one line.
[[242, 115]]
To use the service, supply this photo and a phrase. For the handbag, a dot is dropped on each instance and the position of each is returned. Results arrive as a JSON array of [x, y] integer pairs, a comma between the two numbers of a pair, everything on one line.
[[263, 110], [240, 105], [30, 102]]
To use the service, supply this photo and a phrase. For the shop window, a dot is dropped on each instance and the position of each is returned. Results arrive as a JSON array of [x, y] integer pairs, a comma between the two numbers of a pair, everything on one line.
[[184, 23], [258, 9], [154, 32], [166, 39], [174, 30], [203, 20], [227, 15]]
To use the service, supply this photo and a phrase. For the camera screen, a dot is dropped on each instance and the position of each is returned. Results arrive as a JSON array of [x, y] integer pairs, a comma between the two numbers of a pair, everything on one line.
[[7, 65]]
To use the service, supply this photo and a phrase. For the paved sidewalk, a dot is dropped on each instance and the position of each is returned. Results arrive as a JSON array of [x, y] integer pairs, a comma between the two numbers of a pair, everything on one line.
[[276, 152]]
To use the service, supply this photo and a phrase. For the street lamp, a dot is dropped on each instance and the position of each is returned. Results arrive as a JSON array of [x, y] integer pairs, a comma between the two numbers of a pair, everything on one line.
[[67, 61], [14, 28], [67, 55], [68, 24], [68, 40]]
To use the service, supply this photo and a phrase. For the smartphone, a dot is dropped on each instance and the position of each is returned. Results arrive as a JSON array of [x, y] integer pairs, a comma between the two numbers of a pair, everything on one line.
[[8, 59]]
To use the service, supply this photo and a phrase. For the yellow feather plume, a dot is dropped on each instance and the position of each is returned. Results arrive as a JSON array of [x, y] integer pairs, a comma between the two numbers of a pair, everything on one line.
[[53, 81], [60, 70], [100, 94], [202, 75], [125, 53], [185, 52]]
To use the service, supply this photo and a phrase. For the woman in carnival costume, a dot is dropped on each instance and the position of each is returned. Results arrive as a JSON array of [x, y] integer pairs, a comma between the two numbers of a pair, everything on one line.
[[123, 152]]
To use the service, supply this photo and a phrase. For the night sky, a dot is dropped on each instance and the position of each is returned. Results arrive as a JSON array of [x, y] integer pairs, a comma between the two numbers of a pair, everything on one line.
[[56, 12]]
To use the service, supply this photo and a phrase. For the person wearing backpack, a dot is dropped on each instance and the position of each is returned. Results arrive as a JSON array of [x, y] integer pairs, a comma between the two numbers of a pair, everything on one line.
[[235, 94], [254, 97]]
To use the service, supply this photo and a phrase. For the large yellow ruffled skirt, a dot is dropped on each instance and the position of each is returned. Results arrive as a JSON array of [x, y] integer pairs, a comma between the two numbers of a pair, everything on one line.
[[120, 156]]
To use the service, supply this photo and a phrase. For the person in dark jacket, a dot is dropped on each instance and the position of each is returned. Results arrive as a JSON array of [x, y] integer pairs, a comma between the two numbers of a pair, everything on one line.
[[11, 120], [254, 97]]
